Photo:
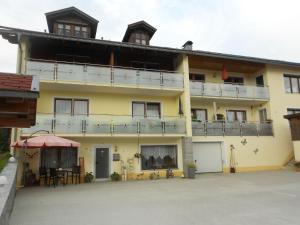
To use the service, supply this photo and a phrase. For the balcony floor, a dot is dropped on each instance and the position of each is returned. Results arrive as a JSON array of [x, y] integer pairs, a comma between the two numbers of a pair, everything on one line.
[[227, 101], [105, 88]]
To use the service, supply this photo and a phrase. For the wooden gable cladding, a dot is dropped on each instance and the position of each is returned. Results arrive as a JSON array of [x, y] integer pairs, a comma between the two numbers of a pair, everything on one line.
[[210, 63], [17, 112]]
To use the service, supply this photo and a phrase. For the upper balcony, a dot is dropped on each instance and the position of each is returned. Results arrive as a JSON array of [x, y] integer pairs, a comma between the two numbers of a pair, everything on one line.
[[228, 91], [224, 128], [63, 76], [107, 125]]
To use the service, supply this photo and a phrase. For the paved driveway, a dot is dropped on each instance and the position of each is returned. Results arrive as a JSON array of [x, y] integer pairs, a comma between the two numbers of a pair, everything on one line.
[[254, 198]]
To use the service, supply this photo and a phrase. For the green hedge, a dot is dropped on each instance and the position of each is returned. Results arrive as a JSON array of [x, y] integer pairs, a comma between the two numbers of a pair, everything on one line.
[[3, 159]]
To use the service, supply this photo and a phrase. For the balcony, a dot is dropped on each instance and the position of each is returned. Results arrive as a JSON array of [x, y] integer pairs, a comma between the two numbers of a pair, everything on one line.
[[106, 125], [222, 128], [229, 91], [104, 76]]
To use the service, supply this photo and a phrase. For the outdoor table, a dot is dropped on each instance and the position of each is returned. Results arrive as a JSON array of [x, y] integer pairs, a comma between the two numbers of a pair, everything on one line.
[[63, 172]]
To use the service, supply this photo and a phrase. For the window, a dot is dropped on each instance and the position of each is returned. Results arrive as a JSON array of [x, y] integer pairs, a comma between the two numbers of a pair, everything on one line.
[[64, 29], [235, 80], [260, 80], [199, 115], [146, 110], [262, 115], [159, 157], [71, 106], [291, 83], [58, 157], [197, 77], [140, 38], [292, 111], [236, 115], [80, 31]]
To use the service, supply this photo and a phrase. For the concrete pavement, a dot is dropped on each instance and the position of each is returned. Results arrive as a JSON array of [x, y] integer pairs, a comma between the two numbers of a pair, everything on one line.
[[245, 198]]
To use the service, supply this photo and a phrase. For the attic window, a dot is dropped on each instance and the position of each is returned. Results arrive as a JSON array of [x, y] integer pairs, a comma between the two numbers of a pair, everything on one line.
[[64, 29], [80, 31], [140, 38]]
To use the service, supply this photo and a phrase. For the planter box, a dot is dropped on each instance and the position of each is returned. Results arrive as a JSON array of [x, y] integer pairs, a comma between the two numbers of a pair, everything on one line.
[[191, 173]]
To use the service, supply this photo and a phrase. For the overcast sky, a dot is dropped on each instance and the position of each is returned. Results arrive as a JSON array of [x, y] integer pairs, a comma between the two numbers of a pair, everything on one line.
[[261, 28]]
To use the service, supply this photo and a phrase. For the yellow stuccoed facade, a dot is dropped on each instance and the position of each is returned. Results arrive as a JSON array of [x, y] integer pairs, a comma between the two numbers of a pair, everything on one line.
[[252, 153]]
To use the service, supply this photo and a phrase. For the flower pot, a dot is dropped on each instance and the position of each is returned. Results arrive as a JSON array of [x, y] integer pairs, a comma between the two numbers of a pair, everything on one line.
[[191, 173]]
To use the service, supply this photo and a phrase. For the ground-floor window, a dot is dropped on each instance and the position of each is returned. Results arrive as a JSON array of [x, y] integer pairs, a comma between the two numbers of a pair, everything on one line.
[[159, 157], [58, 157]]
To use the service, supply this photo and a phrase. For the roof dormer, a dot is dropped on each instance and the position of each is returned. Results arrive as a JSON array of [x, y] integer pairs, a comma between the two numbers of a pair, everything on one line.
[[139, 33], [71, 22]]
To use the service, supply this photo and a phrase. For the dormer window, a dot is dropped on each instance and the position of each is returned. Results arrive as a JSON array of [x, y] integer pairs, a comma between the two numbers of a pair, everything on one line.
[[80, 31], [139, 33], [64, 29], [140, 38], [71, 22]]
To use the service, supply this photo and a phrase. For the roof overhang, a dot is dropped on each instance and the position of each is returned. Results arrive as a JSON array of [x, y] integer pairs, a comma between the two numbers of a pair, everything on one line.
[[14, 35]]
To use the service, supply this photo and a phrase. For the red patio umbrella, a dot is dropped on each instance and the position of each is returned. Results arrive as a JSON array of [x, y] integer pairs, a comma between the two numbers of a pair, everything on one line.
[[45, 141]]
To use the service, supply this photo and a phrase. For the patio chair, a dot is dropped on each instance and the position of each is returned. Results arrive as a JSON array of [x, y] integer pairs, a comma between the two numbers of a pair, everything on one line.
[[76, 174], [55, 177], [43, 174]]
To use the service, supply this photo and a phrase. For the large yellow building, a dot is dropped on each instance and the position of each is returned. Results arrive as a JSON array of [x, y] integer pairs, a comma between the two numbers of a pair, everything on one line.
[[137, 108]]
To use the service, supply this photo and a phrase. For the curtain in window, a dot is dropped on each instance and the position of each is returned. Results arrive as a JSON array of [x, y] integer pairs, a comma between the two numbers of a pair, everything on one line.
[[68, 157], [230, 116], [63, 106], [240, 116], [153, 110], [295, 87], [49, 158], [138, 110], [58, 157], [80, 107], [159, 157], [201, 115]]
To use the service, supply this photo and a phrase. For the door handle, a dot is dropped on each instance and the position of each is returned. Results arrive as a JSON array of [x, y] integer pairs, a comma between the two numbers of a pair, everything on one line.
[[96, 163]]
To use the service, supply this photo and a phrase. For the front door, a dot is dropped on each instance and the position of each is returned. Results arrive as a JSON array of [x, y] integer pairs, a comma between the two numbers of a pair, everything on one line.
[[102, 163]]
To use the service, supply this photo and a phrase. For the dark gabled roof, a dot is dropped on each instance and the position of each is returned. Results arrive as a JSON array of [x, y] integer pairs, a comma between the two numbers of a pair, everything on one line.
[[140, 25], [13, 35], [51, 16]]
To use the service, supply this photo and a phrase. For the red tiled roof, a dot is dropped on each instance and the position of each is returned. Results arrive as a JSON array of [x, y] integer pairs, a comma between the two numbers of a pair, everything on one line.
[[12, 81]]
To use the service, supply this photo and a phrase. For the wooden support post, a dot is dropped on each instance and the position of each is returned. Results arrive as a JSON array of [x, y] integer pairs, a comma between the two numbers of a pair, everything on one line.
[[82, 169]]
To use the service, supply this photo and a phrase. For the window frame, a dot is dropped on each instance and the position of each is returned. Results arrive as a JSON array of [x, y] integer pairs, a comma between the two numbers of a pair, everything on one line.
[[235, 115], [145, 108], [200, 109], [58, 153], [234, 79], [192, 77], [289, 77], [73, 100], [293, 111], [151, 169]]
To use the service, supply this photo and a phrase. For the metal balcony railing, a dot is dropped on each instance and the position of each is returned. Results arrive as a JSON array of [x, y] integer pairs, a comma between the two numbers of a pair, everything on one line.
[[229, 90], [106, 124], [222, 128], [101, 74]]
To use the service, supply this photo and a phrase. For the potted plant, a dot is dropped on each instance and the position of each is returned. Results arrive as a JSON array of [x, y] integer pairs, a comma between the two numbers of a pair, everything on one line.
[[220, 117], [115, 176], [191, 170], [89, 177]]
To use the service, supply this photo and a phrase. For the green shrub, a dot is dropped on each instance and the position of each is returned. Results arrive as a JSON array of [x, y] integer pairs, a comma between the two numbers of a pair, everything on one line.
[[3, 159], [89, 177], [115, 176]]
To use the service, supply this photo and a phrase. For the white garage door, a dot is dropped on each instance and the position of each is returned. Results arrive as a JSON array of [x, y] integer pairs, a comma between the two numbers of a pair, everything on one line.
[[208, 156]]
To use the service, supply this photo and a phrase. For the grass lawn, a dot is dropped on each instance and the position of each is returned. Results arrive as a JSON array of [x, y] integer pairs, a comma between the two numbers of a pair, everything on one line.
[[4, 156]]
